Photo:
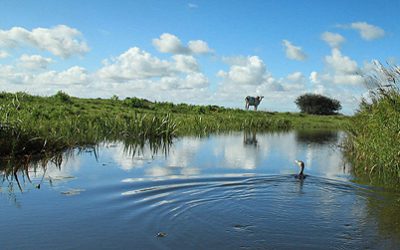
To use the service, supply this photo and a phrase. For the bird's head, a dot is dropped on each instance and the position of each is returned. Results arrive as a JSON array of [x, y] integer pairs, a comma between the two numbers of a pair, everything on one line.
[[300, 163]]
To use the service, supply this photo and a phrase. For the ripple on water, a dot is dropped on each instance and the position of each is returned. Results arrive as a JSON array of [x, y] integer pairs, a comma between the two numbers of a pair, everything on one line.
[[248, 212]]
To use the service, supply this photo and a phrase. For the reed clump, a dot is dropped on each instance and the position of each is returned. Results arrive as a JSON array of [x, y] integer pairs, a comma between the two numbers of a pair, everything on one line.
[[37, 125], [374, 134]]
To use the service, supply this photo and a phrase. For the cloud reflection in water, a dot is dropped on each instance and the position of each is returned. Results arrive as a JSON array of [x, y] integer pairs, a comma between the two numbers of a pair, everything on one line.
[[235, 153]]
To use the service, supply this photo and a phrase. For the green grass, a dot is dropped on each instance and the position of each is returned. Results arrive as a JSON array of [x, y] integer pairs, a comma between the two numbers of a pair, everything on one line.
[[374, 135], [39, 125]]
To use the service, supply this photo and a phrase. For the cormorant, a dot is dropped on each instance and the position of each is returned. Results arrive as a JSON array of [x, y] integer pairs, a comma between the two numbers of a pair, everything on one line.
[[301, 175]]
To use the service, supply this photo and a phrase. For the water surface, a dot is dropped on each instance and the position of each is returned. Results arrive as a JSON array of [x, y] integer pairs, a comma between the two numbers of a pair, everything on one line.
[[229, 191]]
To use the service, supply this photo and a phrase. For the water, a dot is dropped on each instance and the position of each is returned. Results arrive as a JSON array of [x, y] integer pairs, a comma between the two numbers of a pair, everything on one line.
[[233, 191]]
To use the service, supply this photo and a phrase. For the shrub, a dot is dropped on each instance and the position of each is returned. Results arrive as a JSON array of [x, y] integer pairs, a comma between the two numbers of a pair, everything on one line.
[[317, 104], [62, 96], [200, 109], [114, 98], [137, 103]]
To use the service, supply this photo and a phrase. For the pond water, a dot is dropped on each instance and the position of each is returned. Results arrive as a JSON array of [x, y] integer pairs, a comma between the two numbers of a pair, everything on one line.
[[230, 191]]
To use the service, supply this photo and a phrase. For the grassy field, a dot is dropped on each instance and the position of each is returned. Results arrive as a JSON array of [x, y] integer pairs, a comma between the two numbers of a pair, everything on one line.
[[34, 125]]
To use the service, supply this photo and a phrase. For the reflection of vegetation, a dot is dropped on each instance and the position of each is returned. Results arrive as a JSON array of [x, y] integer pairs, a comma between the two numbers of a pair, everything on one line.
[[134, 147], [19, 174], [374, 134], [317, 136], [40, 125], [386, 209], [18, 171]]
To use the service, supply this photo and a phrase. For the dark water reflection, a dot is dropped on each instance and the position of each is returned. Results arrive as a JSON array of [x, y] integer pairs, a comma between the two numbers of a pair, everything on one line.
[[321, 137], [220, 192]]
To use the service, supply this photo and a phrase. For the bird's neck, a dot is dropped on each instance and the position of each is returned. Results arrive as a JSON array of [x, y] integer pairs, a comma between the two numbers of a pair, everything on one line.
[[301, 172]]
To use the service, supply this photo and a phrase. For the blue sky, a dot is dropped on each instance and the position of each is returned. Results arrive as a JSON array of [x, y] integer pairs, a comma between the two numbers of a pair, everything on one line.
[[200, 52]]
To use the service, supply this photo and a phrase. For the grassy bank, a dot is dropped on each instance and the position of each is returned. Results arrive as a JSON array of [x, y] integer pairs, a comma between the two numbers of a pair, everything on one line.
[[374, 135], [32, 124]]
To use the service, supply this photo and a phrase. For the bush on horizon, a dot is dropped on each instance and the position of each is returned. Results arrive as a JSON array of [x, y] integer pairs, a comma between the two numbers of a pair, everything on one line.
[[317, 104]]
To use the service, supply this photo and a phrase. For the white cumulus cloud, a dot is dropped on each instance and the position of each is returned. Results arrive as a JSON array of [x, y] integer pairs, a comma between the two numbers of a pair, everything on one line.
[[73, 76], [3, 54], [60, 40], [367, 31], [34, 61], [135, 64], [314, 77], [75, 80], [294, 82], [190, 81], [140, 69], [333, 39], [340, 69], [293, 52], [296, 77], [195, 80], [340, 63], [199, 47], [185, 63], [250, 71], [169, 43]]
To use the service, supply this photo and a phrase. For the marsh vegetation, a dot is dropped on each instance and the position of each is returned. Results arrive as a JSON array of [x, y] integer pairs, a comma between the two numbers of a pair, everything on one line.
[[38, 125], [374, 133]]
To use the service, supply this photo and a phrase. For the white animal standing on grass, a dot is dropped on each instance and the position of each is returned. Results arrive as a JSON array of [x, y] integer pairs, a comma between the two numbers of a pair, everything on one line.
[[253, 101]]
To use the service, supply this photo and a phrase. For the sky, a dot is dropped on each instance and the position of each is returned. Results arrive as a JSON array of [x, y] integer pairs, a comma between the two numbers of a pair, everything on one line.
[[197, 52]]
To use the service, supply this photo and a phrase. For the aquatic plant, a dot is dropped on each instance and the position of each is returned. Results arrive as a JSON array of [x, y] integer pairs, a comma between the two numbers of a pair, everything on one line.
[[40, 125], [374, 134]]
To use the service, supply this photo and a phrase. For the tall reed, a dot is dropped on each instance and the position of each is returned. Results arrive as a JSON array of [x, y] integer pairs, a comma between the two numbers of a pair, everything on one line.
[[374, 135], [29, 125]]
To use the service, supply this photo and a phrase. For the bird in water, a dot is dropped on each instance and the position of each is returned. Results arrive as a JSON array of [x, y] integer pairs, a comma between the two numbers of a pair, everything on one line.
[[301, 175]]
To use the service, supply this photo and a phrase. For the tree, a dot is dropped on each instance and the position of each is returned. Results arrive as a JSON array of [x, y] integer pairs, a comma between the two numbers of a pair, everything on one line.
[[318, 104]]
